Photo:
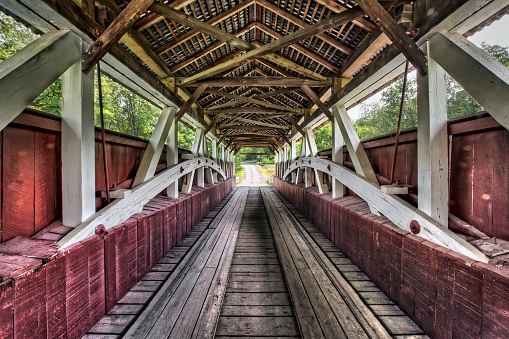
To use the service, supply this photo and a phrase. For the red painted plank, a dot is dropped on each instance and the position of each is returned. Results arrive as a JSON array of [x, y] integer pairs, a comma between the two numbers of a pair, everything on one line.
[[6, 310], [55, 297], [77, 291], [18, 183], [96, 279], [110, 276], [45, 179], [30, 305]]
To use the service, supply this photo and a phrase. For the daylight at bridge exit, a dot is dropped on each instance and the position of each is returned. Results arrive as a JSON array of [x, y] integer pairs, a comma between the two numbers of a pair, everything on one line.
[[254, 169]]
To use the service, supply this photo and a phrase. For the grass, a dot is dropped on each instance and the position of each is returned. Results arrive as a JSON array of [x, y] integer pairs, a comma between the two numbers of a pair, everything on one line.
[[267, 170]]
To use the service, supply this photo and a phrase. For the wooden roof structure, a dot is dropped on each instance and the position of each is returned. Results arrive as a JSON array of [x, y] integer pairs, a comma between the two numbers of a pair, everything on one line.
[[254, 71], [221, 43]]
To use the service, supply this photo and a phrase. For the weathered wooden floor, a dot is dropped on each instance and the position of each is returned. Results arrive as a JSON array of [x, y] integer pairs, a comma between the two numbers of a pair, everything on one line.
[[257, 302], [255, 267]]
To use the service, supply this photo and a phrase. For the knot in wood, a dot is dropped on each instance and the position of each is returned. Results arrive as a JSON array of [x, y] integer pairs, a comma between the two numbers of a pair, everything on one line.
[[328, 168], [199, 162], [181, 169]]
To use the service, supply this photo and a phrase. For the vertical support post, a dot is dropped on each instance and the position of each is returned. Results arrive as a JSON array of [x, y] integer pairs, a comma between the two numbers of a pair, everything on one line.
[[293, 156], [222, 157], [285, 158], [432, 142], [172, 155], [78, 146], [214, 157], [233, 165], [337, 156], [200, 172]]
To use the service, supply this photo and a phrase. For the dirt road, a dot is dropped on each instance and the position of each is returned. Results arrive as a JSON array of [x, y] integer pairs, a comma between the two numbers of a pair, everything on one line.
[[252, 176]]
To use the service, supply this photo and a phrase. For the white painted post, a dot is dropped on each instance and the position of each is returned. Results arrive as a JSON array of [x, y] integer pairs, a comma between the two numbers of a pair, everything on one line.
[[172, 156], [152, 154], [293, 156], [78, 146], [276, 164], [337, 157], [201, 145], [285, 158], [214, 157], [432, 143]]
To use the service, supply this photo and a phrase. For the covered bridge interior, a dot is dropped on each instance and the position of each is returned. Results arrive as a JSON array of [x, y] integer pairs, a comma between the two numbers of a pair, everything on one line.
[[104, 235]]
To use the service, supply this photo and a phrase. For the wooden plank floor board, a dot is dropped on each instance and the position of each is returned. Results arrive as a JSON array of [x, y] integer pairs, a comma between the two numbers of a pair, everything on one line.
[[256, 303], [135, 302], [353, 281]]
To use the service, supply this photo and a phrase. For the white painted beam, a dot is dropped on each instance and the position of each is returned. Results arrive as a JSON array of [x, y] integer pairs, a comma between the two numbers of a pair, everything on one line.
[[480, 74], [172, 155], [337, 156], [355, 148], [26, 74], [432, 143], [155, 146], [394, 208], [78, 145], [122, 209]]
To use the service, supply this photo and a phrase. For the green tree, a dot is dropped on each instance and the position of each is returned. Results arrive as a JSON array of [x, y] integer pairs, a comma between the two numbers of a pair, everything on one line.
[[185, 136]]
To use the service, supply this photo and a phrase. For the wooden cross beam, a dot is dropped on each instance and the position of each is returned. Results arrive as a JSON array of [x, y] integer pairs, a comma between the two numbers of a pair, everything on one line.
[[299, 48], [114, 32], [329, 23], [213, 122], [234, 126], [256, 122], [317, 101], [242, 99], [294, 123], [255, 81], [396, 33], [187, 105], [251, 110], [304, 25]]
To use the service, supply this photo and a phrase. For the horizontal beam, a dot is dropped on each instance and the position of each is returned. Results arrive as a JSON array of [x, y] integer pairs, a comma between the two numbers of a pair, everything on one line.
[[252, 110], [401, 213], [26, 74], [234, 126], [480, 74], [122, 209], [256, 81]]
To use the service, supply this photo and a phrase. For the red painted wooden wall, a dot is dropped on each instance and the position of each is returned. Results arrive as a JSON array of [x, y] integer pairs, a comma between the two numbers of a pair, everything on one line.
[[31, 189]]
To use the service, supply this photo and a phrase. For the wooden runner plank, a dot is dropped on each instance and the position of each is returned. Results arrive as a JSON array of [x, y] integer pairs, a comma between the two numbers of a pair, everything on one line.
[[354, 316], [170, 298]]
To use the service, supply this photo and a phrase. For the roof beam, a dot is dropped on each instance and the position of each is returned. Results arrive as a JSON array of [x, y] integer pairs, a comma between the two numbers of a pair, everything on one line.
[[235, 126], [301, 34], [203, 27], [241, 99], [256, 122], [362, 55], [303, 25], [323, 107], [396, 33], [251, 110], [256, 81], [209, 49], [299, 48], [338, 8], [187, 105], [114, 32]]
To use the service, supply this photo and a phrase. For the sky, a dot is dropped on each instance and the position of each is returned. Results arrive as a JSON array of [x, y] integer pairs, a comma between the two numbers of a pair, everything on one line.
[[495, 34]]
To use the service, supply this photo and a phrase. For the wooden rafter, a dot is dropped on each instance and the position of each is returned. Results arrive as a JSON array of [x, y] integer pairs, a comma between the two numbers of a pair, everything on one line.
[[396, 33], [236, 126], [114, 32], [254, 110], [329, 23], [255, 81], [302, 24], [299, 48]]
